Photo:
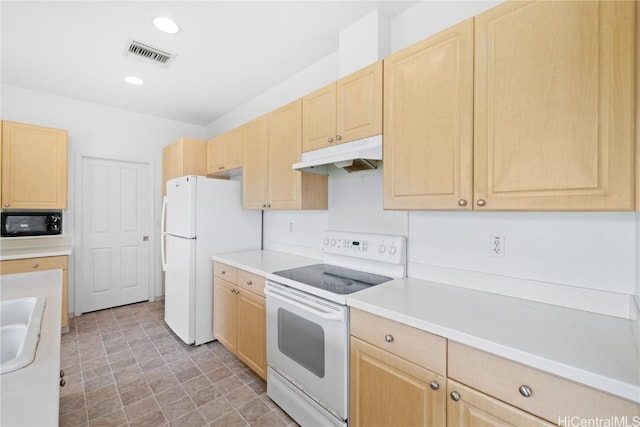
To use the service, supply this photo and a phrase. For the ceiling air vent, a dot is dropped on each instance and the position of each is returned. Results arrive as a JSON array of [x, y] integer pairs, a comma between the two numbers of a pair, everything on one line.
[[148, 54]]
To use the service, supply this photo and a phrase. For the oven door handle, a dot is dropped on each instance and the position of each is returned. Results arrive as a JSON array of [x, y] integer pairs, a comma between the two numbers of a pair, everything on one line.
[[332, 315]]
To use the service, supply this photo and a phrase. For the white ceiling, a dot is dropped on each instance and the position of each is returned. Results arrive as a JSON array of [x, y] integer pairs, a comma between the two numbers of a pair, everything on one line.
[[227, 52]]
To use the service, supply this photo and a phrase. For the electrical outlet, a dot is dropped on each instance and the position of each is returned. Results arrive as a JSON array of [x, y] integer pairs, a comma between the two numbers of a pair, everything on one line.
[[496, 246]]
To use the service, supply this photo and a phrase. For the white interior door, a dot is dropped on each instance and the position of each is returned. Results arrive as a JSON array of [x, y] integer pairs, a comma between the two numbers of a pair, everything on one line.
[[116, 225]]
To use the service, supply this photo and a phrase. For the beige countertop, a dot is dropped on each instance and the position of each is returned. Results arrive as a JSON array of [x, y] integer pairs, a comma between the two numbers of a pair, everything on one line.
[[30, 396]]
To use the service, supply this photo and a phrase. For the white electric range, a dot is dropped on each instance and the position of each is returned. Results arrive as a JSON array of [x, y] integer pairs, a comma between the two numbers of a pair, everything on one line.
[[308, 323]]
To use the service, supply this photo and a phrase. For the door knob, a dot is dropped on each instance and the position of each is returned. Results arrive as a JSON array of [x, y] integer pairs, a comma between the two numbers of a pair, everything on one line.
[[145, 238]]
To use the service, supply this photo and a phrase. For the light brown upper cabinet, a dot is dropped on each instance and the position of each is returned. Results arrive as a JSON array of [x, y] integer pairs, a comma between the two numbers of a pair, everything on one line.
[[34, 167], [186, 156], [343, 111], [255, 173], [552, 118], [428, 122], [555, 106], [225, 152], [273, 144]]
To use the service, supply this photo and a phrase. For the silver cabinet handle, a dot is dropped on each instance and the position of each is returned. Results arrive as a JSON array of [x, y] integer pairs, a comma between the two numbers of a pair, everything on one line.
[[35, 266], [388, 338], [481, 202], [249, 282], [61, 373], [329, 139], [455, 396], [223, 272], [462, 202], [525, 391], [338, 137], [435, 385], [6, 205], [62, 382]]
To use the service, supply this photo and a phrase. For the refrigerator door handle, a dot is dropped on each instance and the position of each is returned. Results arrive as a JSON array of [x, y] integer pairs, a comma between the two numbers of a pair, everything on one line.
[[163, 219], [163, 234]]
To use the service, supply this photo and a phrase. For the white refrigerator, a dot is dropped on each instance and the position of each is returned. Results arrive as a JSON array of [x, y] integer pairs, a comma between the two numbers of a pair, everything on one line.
[[200, 217]]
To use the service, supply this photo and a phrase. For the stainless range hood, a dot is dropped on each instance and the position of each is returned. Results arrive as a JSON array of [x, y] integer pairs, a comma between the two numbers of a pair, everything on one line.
[[351, 156]]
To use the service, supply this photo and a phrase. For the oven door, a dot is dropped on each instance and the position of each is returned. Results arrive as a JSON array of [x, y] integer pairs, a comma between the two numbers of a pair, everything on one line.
[[307, 343]]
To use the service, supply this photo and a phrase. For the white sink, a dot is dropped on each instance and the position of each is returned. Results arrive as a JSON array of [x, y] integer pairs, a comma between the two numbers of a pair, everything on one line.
[[20, 321]]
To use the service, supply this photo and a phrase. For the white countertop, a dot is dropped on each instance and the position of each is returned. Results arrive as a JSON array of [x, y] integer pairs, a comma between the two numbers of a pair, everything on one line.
[[30, 396], [34, 252], [593, 349], [263, 262]]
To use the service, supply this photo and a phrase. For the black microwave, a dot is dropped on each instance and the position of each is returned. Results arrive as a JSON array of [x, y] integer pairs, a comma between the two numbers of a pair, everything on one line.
[[19, 224]]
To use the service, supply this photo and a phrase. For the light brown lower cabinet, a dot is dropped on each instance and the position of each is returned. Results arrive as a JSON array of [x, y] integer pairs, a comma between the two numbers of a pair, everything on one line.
[[467, 407], [239, 315], [27, 265], [397, 374], [387, 390]]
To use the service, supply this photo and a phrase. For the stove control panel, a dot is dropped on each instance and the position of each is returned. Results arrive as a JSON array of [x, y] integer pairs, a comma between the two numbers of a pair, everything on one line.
[[376, 247]]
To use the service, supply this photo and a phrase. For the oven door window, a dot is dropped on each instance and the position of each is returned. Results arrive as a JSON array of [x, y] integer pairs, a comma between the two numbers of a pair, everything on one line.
[[302, 341]]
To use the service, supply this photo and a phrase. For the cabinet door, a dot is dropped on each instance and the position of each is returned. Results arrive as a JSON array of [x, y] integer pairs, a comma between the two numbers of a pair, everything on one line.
[[473, 408], [251, 344], [387, 390], [224, 313], [214, 155], [186, 156], [285, 133], [359, 104], [319, 118], [428, 122], [255, 173], [554, 106], [233, 149], [34, 167]]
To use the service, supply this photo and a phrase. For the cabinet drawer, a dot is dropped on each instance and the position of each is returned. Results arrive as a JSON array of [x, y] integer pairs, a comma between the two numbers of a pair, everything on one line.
[[33, 264], [251, 282], [415, 345], [225, 272], [551, 397]]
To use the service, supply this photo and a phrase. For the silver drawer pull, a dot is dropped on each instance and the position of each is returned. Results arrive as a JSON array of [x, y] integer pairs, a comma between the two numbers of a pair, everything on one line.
[[434, 385], [62, 382], [455, 396], [388, 338], [35, 266], [222, 272], [525, 391], [249, 282]]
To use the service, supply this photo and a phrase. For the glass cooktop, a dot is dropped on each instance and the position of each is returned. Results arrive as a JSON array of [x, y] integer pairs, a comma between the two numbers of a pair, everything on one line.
[[331, 278]]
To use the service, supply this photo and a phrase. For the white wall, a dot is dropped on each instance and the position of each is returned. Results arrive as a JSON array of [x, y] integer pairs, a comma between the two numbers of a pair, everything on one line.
[[99, 131]]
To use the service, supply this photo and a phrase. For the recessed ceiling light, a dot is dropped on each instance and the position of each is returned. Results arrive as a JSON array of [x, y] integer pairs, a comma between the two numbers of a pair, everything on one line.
[[134, 80], [166, 25]]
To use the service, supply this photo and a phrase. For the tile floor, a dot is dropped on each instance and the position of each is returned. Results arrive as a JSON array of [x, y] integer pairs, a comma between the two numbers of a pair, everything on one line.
[[124, 367]]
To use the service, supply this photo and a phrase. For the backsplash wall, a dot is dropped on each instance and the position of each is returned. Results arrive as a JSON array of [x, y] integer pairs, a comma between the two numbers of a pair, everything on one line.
[[584, 260]]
